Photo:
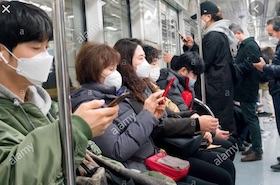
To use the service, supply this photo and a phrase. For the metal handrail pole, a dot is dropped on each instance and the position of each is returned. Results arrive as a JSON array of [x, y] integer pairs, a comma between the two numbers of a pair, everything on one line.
[[62, 78], [202, 76]]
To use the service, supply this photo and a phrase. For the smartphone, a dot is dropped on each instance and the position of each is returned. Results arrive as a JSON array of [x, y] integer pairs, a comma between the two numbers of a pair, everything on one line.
[[167, 88], [254, 59], [118, 99], [181, 36]]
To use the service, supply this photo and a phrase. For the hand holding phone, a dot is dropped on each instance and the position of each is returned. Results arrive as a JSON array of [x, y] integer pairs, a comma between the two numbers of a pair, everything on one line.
[[152, 104], [118, 99], [181, 36], [167, 88], [254, 59]]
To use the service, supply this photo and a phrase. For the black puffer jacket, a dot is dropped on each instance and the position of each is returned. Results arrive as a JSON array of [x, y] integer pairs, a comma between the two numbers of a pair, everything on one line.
[[177, 88], [129, 135], [274, 71]]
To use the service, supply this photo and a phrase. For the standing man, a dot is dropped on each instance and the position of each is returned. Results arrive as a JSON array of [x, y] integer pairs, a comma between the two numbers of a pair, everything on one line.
[[273, 70], [217, 57], [247, 91]]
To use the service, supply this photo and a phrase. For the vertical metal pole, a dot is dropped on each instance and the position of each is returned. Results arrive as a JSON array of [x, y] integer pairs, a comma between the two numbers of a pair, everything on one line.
[[202, 76], [62, 78]]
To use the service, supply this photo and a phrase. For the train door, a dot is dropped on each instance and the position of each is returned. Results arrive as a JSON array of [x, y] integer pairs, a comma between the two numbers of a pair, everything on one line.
[[169, 25]]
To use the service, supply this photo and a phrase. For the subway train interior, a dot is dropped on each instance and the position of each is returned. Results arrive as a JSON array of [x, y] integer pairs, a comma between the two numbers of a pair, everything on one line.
[[161, 24]]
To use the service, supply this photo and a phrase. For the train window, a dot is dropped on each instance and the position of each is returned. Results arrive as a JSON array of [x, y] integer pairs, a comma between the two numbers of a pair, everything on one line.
[[73, 27], [115, 20]]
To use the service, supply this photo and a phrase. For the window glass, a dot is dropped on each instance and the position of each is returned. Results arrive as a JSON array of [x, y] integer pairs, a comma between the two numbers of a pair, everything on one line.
[[73, 27], [115, 20]]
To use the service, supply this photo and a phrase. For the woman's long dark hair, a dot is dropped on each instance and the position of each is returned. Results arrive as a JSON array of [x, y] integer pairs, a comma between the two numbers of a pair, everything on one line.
[[126, 48]]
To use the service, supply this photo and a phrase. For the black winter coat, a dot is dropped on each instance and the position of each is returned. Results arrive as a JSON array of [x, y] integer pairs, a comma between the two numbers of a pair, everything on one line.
[[247, 90], [177, 88], [218, 78]]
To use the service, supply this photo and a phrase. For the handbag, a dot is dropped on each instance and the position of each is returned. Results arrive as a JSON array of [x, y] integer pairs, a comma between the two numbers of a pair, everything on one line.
[[172, 167], [181, 147]]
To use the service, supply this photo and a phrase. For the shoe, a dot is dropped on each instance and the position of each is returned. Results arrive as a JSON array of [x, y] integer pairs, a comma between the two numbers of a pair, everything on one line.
[[247, 152], [252, 156], [276, 167], [278, 159], [264, 114]]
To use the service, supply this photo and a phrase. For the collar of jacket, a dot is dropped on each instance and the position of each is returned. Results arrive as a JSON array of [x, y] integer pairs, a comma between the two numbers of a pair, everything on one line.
[[91, 91], [100, 88], [245, 41], [221, 26], [181, 79], [34, 94]]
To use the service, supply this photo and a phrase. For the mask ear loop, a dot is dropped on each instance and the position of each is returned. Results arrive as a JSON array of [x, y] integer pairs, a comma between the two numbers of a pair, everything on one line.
[[5, 60]]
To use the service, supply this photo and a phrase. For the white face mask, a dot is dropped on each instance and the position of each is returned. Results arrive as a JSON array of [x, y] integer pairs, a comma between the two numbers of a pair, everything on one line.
[[155, 73], [114, 79], [35, 69], [191, 83], [202, 24], [273, 40], [143, 70]]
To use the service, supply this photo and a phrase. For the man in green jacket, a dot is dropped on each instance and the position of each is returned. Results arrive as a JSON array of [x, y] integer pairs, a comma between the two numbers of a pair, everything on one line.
[[247, 90], [30, 143]]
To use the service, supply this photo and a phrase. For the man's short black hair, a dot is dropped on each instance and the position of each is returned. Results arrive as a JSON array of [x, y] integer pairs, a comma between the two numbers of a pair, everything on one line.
[[151, 53], [191, 61], [22, 22]]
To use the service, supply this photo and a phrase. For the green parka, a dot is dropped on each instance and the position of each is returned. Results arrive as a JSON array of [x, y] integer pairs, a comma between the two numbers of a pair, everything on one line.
[[30, 143]]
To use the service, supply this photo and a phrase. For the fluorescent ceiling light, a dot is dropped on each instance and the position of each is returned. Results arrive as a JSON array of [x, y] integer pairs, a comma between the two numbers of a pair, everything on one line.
[[46, 8], [111, 28], [115, 15]]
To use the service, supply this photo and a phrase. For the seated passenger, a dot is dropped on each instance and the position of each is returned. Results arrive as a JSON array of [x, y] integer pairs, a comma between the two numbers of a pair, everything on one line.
[[128, 139], [134, 68], [30, 144], [186, 71], [184, 67]]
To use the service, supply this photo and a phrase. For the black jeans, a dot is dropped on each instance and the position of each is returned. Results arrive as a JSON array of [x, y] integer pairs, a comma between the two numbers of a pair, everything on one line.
[[227, 147], [190, 180], [206, 165], [251, 118]]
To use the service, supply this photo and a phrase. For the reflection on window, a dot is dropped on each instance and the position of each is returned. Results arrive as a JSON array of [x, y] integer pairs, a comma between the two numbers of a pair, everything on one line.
[[115, 20], [72, 41]]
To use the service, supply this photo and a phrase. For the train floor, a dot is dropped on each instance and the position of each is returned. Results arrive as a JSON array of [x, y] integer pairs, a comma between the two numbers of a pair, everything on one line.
[[259, 172]]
